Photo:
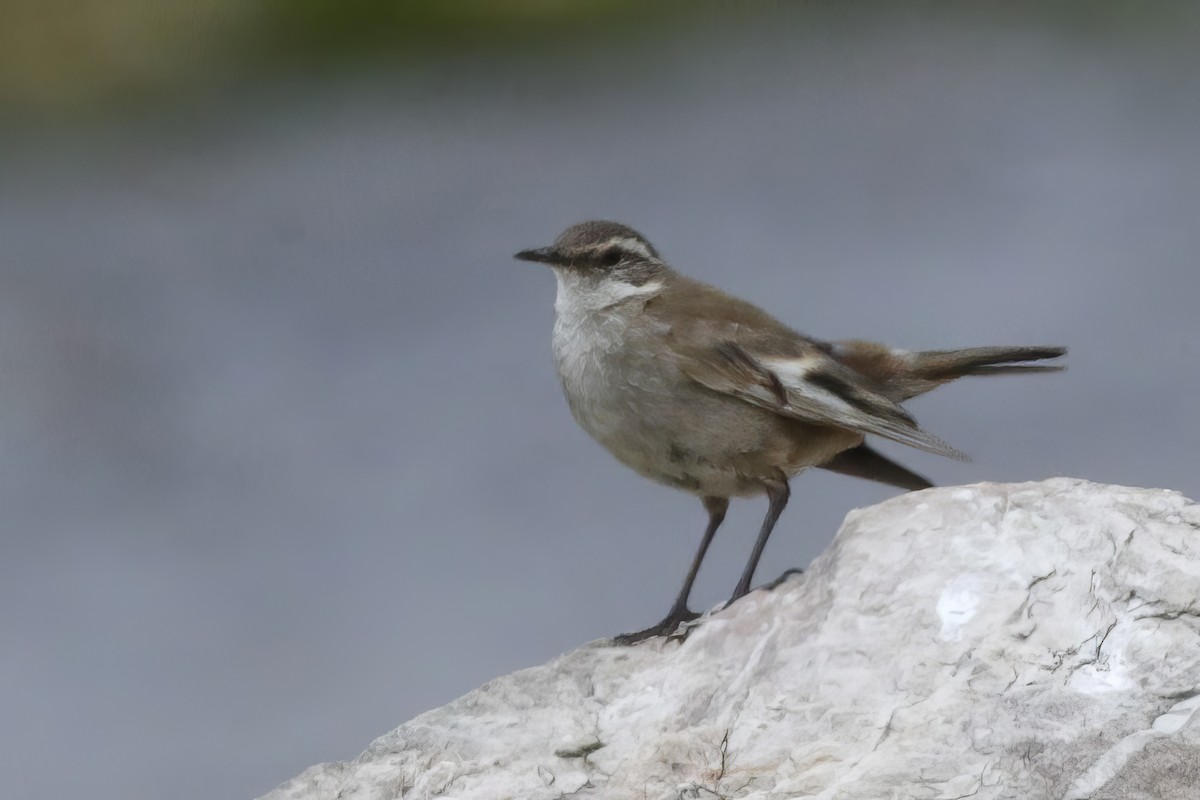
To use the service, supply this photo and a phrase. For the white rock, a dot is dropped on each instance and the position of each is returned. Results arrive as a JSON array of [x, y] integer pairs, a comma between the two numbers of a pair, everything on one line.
[[1025, 641]]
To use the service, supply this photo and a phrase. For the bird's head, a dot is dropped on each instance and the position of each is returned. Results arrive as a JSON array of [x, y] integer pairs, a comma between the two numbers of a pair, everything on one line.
[[600, 252]]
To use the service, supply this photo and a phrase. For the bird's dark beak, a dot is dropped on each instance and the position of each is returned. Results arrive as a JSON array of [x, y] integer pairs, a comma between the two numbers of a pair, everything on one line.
[[543, 255]]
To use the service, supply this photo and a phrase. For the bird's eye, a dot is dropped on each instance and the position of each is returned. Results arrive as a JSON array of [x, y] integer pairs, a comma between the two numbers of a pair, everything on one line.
[[611, 257]]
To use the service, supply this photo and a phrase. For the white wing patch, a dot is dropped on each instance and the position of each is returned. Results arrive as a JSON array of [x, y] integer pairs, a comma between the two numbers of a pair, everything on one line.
[[792, 371], [793, 374], [864, 411]]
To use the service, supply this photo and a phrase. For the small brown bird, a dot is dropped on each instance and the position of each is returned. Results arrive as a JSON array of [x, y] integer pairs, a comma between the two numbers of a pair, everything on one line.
[[698, 390]]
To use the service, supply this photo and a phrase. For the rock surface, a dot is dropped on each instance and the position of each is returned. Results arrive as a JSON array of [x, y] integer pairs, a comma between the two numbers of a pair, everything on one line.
[[1026, 641]]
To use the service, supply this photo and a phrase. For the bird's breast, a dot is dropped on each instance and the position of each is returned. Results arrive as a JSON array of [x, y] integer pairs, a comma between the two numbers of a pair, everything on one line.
[[588, 353]]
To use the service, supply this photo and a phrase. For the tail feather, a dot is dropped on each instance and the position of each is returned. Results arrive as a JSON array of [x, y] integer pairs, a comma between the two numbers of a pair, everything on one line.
[[1015, 369], [931, 368], [863, 462], [901, 375], [951, 364]]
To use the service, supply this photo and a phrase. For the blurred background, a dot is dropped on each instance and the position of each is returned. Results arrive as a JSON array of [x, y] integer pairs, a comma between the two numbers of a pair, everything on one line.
[[283, 459]]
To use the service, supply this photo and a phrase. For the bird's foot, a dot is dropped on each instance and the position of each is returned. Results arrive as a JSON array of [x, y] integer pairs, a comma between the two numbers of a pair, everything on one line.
[[787, 574], [767, 587], [673, 626]]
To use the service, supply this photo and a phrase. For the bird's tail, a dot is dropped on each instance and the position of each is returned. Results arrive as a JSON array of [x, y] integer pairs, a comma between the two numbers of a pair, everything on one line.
[[946, 365], [908, 374]]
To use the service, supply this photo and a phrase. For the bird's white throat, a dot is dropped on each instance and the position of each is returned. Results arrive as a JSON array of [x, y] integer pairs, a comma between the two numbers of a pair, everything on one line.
[[592, 317], [582, 294]]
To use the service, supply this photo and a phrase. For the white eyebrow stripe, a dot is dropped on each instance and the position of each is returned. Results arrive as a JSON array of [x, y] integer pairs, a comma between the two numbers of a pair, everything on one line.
[[629, 244]]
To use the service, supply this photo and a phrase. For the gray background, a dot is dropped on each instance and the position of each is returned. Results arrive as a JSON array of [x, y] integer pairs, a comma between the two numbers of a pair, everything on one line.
[[283, 460]]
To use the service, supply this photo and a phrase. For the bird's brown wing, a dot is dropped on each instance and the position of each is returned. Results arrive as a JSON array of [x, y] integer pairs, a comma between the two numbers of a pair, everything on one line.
[[811, 387], [733, 347]]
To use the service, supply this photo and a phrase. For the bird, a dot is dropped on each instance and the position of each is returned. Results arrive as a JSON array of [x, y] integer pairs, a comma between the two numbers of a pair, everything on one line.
[[706, 393]]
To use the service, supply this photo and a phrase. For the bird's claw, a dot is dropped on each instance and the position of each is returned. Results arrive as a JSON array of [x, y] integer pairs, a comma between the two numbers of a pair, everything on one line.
[[674, 627]]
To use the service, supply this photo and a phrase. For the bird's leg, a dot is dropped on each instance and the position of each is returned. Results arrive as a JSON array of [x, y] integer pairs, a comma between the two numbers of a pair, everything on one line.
[[777, 496], [716, 507], [680, 613]]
